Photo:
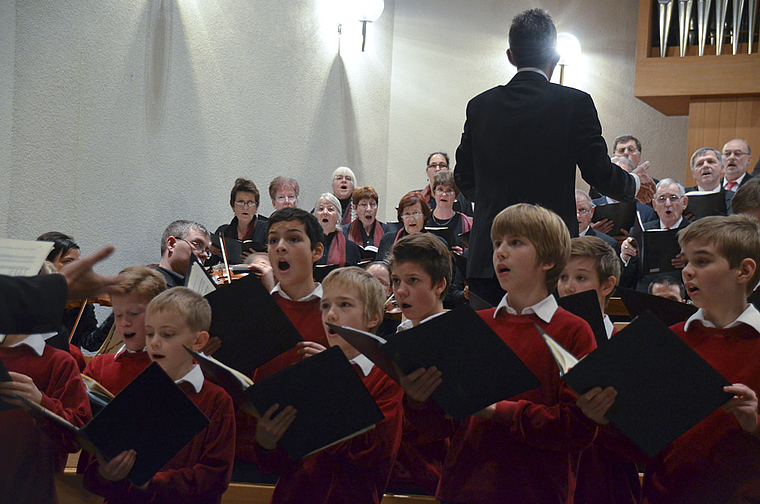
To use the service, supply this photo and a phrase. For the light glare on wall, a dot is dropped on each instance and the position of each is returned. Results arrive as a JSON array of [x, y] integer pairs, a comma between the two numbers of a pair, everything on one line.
[[569, 49], [364, 11]]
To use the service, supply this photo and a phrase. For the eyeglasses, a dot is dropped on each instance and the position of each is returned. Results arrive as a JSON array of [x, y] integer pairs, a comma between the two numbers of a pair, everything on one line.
[[441, 166], [198, 247], [415, 215], [672, 198], [442, 192], [582, 211], [245, 203], [347, 178], [282, 199], [736, 153], [630, 150], [371, 204]]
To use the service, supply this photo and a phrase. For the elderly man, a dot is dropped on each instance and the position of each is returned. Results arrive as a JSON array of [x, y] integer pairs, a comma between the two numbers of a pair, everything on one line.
[[180, 239], [522, 141], [584, 211], [736, 158], [669, 202], [707, 168]]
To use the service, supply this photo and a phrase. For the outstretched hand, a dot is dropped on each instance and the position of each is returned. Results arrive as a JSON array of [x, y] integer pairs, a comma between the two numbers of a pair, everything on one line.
[[647, 187], [82, 280]]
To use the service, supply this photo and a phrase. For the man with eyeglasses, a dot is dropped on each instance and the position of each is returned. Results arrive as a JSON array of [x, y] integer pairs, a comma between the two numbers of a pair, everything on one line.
[[180, 239], [669, 202], [584, 211], [736, 158]]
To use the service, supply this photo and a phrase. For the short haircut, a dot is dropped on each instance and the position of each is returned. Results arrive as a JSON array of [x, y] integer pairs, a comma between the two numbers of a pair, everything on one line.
[[310, 223], [180, 229], [244, 185], [606, 260], [332, 199], [746, 144], [62, 243], [669, 181], [139, 280], [584, 195], [736, 237], [701, 151], [747, 197], [382, 263], [344, 170], [410, 199], [667, 280], [616, 159], [188, 304], [543, 228], [370, 289], [445, 178], [280, 183], [429, 252], [365, 192], [625, 139], [448, 161], [533, 39]]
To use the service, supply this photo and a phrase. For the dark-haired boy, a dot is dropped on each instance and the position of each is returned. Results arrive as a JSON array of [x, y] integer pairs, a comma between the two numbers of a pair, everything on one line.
[[525, 449], [200, 472], [717, 460]]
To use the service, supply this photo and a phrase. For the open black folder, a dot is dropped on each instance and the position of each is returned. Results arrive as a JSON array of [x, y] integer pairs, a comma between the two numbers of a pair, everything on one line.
[[152, 416], [669, 311], [586, 306], [477, 367], [252, 326], [622, 214], [703, 204], [332, 404], [234, 247], [663, 387]]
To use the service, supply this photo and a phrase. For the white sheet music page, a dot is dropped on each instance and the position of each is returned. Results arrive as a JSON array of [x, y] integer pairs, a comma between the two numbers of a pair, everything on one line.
[[22, 257]]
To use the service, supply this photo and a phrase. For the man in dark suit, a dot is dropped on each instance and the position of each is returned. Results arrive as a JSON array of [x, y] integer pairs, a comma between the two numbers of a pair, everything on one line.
[[669, 202], [736, 159], [584, 210], [707, 168], [522, 142]]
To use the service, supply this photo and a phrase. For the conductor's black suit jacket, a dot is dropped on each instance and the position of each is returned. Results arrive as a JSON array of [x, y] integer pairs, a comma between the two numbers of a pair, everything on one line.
[[521, 143]]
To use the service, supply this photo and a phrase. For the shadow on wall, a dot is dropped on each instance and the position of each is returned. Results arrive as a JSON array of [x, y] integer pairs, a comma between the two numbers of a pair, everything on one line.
[[158, 49], [334, 130]]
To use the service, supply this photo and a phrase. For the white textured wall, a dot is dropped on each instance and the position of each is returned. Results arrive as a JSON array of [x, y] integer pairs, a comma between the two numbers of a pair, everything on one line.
[[118, 117]]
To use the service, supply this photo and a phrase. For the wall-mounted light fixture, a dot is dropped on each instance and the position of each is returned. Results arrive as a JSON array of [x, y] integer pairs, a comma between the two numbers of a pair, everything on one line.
[[364, 11], [569, 49]]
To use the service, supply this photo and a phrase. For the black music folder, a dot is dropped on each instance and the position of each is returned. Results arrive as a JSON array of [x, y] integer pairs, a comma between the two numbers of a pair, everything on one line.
[[231, 380], [657, 248], [703, 204], [234, 247], [252, 326], [445, 232], [322, 270], [669, 311], [663, 386], [5, 377], [622, 214], [152, 416], [586, 306], [332, 404], [477, 368]]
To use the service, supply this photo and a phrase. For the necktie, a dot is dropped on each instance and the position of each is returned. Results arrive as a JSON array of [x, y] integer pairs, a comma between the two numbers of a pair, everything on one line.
[[730, 186]]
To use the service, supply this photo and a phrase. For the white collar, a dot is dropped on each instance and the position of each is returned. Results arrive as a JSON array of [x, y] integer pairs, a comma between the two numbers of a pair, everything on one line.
[[674, 226], [36, 342], [407, 324], [717, 189], [532, 69], [608, 326], [544, 309], [364, 363], [750, 316], [315, 294], [125, 349], [194, 377]]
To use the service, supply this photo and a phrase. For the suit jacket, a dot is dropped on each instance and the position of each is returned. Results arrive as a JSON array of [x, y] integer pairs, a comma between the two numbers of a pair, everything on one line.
[[730, 194], [521, 143], [633, 276], [612, 242], [31, 304]]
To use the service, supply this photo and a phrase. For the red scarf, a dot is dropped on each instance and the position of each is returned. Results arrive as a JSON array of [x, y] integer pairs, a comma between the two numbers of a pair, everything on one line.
[[355, 233], [337, 254]]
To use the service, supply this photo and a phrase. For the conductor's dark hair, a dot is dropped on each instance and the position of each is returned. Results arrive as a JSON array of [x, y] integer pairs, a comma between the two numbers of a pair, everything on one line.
[[533, 38], [310, 223], [62, 243]]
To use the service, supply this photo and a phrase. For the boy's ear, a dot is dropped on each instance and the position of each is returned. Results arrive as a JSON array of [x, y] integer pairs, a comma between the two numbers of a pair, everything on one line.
[[547, 266], [316, 254], [440, 286], [608, 286], [201, 338], [747, 270], [374, 321]]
